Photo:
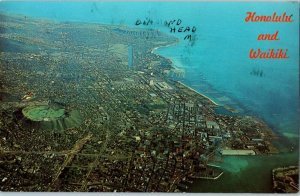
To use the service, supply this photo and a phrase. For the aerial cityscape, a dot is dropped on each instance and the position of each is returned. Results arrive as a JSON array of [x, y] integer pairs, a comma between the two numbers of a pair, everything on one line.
[[92, 108]]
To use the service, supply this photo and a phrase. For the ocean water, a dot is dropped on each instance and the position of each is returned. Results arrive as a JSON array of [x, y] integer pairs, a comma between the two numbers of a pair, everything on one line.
[[216, 64]]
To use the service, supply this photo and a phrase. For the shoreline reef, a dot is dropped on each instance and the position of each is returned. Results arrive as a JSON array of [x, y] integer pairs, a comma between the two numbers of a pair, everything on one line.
[[202, 95], [174, 67]]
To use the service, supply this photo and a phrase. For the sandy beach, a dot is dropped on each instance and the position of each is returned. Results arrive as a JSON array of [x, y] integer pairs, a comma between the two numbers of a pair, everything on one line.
[[199, 93], [174, 43], [173, 65]]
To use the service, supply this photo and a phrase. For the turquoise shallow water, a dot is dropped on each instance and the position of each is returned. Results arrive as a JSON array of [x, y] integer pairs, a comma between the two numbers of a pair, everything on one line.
[[273, 98], [217, 65], [246, 174]]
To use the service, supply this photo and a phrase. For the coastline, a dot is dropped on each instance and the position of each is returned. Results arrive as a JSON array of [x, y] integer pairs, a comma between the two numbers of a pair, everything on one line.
[[168, 45], [174, 67], [213, 186], [215, 103], [169, 59], [213, 181]]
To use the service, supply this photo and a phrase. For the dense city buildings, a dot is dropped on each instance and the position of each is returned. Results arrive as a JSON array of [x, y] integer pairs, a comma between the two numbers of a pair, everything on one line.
[[77, 114]]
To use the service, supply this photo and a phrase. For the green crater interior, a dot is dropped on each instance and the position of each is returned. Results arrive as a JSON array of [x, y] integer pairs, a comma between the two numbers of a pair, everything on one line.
[[43, 113]]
